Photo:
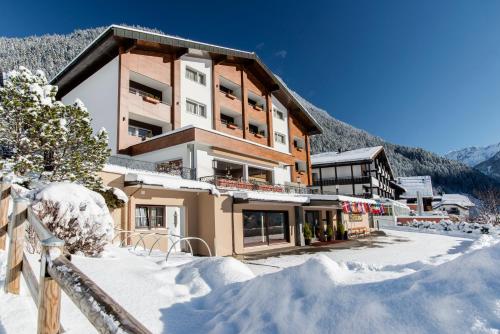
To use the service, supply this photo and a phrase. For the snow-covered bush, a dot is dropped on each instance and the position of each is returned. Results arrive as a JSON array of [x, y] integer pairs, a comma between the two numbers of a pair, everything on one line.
[[448, 225], [75, 214], [47, 139], [115, 198]]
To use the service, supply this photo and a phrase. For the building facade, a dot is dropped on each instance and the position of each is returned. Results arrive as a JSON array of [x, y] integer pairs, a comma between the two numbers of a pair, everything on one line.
[[363, 172], [192, 126]]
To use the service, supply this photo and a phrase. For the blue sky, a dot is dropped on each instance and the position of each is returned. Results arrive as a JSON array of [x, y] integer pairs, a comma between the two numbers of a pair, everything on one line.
[[419, 73]]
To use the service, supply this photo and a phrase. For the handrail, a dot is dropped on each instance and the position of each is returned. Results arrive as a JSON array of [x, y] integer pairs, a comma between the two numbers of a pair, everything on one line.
[[188, 238]]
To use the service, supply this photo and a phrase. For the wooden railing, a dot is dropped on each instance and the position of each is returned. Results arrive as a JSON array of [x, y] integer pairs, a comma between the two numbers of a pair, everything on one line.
[[56, 273]]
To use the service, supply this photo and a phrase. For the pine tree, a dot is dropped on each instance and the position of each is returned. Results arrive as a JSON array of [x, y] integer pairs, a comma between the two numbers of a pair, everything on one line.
[[49, 140]]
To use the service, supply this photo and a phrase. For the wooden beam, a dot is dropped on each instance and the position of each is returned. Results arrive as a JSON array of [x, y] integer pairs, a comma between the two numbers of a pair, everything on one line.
[[4, 208], [93, 302], [49, 297], [16, 246], [30, 278], [218, 59], [181, 52]]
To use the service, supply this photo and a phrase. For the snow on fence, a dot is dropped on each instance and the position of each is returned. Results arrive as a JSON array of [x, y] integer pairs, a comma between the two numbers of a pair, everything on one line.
[[56, 273]]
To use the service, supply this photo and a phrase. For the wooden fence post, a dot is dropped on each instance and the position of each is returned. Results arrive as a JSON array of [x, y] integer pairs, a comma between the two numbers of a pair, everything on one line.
[[16, 245], [49, 291], [4, 210]]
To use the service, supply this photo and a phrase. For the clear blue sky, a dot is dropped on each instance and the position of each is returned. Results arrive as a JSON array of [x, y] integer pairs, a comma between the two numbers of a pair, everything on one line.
[[419, 73]]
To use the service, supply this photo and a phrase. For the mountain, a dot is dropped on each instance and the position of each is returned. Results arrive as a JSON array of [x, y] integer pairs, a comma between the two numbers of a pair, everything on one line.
[[473, 156], [491, 167], [447, 175], [53, 52]]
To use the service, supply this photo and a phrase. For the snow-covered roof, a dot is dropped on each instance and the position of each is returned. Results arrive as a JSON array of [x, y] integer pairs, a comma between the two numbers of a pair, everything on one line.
[[454, 199], [341, 198], [269, 196], [414, 184], [365, 153], [160, 179]]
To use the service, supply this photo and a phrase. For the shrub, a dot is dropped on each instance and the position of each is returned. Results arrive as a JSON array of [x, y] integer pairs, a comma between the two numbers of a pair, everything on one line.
[[76, 215], [307, 231]]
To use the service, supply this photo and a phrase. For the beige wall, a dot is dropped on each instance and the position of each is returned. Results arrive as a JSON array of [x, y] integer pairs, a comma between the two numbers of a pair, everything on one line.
[[206, 216]]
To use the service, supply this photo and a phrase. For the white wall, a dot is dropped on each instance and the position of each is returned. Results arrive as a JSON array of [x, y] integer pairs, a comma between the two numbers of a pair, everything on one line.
[[170, 153], [282, 174], [280, 126], [99, 93], [197, 92], [204, 165]]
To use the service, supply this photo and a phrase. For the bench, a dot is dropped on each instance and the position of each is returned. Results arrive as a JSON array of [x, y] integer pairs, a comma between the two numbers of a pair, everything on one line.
[[357, 231]]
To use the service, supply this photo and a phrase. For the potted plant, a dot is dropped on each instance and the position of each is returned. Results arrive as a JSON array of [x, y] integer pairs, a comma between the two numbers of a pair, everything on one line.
[[329, 233], [307, 233], [340, 231]]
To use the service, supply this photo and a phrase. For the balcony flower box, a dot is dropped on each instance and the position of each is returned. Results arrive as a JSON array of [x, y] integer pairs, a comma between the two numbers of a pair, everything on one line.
[[232, 126], [258, 108], [259, 135], [150, 99], [266, 187], [230, 96]]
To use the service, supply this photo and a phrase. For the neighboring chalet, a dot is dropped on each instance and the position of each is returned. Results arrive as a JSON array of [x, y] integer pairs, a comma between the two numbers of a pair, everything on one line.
[[364, 172], [206, 141], [453, 204], [416, 187]]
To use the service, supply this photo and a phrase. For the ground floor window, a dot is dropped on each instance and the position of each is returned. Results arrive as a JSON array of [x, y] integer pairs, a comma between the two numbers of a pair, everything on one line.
[[264, 227], [149, 216]]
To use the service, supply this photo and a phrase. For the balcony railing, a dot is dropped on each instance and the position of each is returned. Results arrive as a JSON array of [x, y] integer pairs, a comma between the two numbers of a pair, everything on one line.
[[226, 182], [184, 172], [341, 181]]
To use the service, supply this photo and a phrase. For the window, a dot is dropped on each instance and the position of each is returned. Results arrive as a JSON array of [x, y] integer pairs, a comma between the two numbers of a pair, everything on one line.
[[264, 227], [226, 90], [196, 76], [253, 128], [147, 216], [279, 114], [225, 119], [299, 143], [279, 138], [196, 108], [300, 166], [139, 132]]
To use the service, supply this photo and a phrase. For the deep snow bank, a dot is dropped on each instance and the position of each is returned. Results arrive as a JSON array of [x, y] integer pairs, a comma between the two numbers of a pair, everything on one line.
[[462, 295], [204, 275]]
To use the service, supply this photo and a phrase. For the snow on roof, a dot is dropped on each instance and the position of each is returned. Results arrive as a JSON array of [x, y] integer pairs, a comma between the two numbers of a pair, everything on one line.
[[365, 153], [454, 199], [160, 179], [341, 198], [269, 196], [412, 184]]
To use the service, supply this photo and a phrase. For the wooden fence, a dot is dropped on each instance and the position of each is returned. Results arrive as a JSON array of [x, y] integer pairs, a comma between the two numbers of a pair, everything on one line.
[[56, 273]]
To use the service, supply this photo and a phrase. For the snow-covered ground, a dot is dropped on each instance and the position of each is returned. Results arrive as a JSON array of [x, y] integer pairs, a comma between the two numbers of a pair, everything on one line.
[[402, 282]]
